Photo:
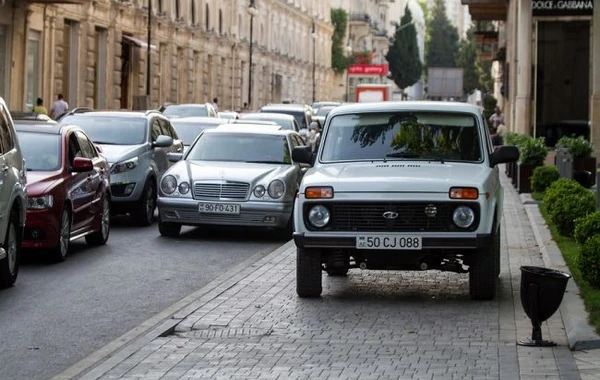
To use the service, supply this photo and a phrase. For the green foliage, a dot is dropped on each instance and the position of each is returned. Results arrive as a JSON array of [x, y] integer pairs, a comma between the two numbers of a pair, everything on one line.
[[442, 45], [589, 261], [489, 105], [516, 139], [578, 146], [533, 152], [339, 60], [403, 54], [467, 58], [587, 227], [543, 177], [557, 189]]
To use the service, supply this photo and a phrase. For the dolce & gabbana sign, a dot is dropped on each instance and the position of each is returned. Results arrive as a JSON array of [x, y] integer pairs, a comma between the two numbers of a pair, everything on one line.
[[562, 7]]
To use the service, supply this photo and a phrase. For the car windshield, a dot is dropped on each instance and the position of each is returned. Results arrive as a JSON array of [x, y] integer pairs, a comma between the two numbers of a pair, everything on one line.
[[185, 111], [41, 151], [299, 116], [241, 147], [324, 110], [111, 130], [442, 136], [188, 131]]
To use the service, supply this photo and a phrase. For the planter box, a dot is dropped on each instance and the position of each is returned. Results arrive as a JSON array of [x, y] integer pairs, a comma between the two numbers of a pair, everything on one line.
[[585, 164], [523, 175]]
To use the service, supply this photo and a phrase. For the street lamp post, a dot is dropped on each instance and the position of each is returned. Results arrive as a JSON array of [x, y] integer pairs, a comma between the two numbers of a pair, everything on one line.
[[253, 12], [314, 66], [349, 51], [148, 63]]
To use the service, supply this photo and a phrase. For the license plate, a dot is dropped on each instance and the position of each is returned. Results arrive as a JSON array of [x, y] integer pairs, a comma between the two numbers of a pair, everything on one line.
[[219, 208], [388, 242]]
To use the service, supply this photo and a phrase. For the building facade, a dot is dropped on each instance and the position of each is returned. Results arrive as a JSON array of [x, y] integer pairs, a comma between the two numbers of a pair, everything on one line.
[[96, 52]]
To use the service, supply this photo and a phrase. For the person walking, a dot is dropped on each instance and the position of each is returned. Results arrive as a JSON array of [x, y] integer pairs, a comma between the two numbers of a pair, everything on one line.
[[59, 107], [497, 118], [39, 107], [215, 104]]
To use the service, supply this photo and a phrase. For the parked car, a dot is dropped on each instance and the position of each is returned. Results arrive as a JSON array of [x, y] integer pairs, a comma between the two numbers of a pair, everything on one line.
[[285, 120], [301, 112], [68, 187], [73, 112], [136, 145], [188, 128], [187, 110], [229, 115], [321, 114], [13, 198], [401, 186], [236, 175], [317, 105]]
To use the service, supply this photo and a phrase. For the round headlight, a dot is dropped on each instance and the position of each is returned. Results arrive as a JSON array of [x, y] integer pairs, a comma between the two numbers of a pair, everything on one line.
[[319, 216], [259, 191], [168, 184], [184, 188], [276, 189], [463, 216]]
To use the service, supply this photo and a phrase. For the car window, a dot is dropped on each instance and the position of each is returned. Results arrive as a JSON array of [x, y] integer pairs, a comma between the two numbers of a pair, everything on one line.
[[156, 129], [241, 147], [87, 148], [111, 130], [6, 138], [403, 135], [42, 151], [300, 116], [168, 129], [186, 111], [73, 148]]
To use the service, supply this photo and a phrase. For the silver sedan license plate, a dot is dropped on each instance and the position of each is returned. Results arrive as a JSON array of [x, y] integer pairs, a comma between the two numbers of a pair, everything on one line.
[[219, 208], [388, 242]]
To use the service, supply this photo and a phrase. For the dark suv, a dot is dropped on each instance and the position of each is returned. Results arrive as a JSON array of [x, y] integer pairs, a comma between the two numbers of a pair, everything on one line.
[[302, 112]]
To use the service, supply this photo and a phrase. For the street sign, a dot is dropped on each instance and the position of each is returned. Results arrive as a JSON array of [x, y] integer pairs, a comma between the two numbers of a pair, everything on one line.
[[368, 69]]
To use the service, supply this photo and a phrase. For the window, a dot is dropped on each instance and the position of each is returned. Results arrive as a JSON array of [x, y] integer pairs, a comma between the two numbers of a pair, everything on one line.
[[74, 150], [207, 18], [156, 129], [6, 141], [42, 151], [88, 150], [193, 6], [177, 9], [33, 68], [160, 7], [101, 59], [4, 61], [168, 129], [70, 61], [220, 22]]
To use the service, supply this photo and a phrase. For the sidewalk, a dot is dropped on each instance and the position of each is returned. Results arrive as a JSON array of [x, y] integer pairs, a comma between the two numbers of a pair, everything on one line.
[[370, 325]]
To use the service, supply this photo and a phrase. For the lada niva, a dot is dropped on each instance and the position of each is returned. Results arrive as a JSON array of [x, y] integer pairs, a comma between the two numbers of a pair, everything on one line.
[[401, 186]]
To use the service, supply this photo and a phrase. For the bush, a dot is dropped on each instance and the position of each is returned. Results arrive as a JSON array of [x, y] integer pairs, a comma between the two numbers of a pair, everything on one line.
[[543, 176], [578, 146], [516, 139], [589, 261], [587, 227], [557, 190], [571, 206], [533, 152]]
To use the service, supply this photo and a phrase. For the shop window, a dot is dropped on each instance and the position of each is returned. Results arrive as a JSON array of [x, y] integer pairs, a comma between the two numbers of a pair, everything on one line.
[[33, 69]]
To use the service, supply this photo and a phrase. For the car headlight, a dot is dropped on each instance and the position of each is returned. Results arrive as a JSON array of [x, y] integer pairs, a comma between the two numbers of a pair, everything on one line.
[[276, 189], [259, 191], [463, 216], [124, 166], [184, 188], [40, 203], [168, 184], [319, 216]]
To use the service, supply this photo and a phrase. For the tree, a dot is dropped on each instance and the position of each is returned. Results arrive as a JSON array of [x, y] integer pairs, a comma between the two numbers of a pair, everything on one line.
[[403, 54], [442, 45], [339, 61], [467, 59]]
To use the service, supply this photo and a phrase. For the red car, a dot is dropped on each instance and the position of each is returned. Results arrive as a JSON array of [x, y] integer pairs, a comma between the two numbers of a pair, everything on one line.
[[68, 186]]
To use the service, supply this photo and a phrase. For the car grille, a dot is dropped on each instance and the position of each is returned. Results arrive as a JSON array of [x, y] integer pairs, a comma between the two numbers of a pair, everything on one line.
[[411, 217], [222, 190]]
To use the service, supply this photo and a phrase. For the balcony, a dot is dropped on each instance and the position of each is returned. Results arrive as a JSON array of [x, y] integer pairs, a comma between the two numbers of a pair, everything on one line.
[[487, 9], [361, 17]]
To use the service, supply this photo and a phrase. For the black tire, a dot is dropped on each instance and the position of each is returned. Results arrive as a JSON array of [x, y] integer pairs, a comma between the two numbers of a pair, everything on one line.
[[169, 229], [144, 215], [484, 271], [308, 273], [9, 266], [61, 250], [101, 236], [287, 232]]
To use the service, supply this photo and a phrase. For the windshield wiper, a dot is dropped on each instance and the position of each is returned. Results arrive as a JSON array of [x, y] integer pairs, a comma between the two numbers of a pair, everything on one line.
[[403, 155]]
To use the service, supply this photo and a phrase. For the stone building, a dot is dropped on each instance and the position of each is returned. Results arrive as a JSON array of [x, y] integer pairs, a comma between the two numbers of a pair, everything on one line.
[[95, 52]]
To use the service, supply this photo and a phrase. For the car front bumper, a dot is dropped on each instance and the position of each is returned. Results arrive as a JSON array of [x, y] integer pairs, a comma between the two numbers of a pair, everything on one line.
[[252, 214], [41, 229]]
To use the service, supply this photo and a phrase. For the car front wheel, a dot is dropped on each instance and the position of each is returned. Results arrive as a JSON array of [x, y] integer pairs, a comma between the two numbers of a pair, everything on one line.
[[144, 214], [64, 236], [169, 229], [9, 266], [483, 271], [308, 272], [101, 236]]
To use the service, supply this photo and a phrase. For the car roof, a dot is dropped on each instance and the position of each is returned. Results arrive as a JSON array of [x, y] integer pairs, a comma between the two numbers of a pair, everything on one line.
[[24, 115], [240, 127], [253, 122], [270, 115], [129, 114], [198, 119], [53, 128], [285, 106], [404, 106], [186, 105]]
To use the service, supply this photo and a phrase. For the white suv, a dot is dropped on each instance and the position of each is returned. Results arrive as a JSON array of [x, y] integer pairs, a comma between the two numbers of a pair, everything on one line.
[[13, 199], [401, 186]]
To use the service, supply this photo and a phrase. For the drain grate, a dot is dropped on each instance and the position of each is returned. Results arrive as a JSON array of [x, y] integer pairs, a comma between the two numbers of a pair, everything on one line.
[[219, 332]]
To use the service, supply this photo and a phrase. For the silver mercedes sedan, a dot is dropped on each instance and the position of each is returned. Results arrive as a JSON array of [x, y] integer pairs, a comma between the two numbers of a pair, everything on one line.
[[233, 175]]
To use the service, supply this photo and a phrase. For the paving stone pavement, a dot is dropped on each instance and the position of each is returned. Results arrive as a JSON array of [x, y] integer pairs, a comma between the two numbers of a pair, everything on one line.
[[369, 325]]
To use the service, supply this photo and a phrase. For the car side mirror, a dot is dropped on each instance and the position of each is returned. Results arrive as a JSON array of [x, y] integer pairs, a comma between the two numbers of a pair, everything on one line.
[[174, 157], [302, 155], [504, 153], [82, 164], [163, 141]]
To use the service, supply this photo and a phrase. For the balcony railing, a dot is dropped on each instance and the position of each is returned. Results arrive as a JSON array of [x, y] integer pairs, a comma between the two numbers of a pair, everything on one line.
[[360, 17]]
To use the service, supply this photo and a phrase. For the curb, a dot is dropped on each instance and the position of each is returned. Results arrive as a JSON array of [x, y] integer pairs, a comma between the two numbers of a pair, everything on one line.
[[580, 334]]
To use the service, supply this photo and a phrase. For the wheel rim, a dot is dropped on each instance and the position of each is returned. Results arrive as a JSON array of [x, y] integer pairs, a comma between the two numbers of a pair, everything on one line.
[[105, 223], [65, 233], [150, 203], [11, 246]]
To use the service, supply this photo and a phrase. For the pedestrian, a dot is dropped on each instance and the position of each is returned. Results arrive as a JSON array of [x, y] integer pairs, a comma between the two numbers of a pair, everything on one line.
[[496, 138], [39, 107], [497, 118], [215, 104], [502, 130], [59, 107]]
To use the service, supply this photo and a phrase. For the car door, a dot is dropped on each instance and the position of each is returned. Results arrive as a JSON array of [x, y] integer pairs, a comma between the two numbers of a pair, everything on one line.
[[95, 179], [79, 187], [7, 180], [159, 155]]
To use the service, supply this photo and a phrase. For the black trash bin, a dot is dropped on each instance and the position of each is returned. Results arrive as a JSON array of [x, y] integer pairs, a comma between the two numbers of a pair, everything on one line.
[[542, 291]]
